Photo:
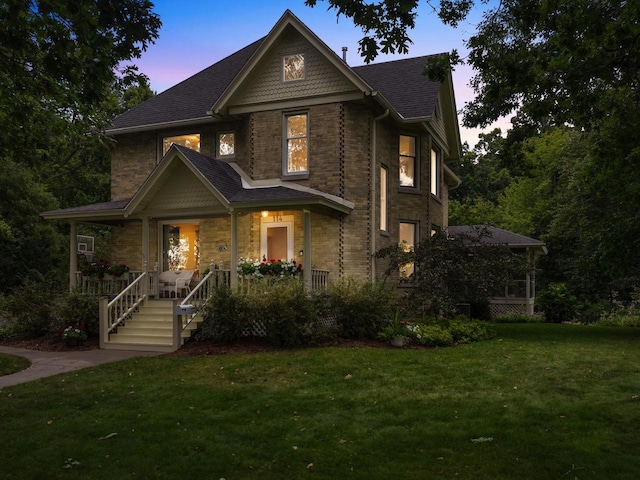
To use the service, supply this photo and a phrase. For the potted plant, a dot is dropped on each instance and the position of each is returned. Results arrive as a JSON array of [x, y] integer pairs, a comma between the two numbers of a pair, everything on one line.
[[74, 335], [117, 270], [397, 332]]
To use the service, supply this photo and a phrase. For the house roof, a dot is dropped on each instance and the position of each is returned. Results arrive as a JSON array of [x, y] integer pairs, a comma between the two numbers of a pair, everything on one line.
[[398, 85], [190, 99], [227, 182], [498, 235], [411, 94]]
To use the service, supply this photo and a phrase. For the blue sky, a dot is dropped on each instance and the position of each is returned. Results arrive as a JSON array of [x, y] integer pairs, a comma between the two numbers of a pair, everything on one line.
[[198, 33]]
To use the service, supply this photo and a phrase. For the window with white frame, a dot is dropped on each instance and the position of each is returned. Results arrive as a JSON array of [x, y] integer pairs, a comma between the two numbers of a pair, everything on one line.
[[383, 198], [435, 172], [293, 67], [226, 144], [408, 166], [296, 144], [407, 240], [190, 140]]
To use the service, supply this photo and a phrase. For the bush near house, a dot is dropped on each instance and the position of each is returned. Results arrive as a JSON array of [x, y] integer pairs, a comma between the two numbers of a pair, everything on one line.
[[38, 309], [558, 303]]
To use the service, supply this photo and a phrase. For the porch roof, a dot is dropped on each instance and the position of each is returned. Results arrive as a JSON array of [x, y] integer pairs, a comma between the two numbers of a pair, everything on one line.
[[498, 235], [225, 181]]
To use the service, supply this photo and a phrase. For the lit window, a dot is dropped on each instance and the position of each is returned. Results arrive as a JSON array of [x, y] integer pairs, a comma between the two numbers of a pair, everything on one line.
[[383, 198], [296, 144], [226, 144], [407, 161], [407, 241], [293, 67], [191, 141], [435, 172]]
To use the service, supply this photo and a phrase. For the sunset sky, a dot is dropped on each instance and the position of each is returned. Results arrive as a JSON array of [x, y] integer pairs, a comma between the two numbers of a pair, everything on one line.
[[198, 33]]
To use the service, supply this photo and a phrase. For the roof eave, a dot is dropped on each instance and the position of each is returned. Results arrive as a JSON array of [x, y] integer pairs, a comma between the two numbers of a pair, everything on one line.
[[162, 125]]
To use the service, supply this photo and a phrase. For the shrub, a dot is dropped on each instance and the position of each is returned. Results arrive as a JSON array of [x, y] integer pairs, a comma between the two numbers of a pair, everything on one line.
[[361, 308], [32, 306], [467, 331], [518, 318], [558, 303], [430, 335], [280, 309], [76, 308], [225, 315], [287, 313]]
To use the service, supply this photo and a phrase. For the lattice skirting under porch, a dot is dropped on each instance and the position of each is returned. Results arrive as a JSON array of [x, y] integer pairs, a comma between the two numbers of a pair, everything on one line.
[[507, 309], [258, 328]]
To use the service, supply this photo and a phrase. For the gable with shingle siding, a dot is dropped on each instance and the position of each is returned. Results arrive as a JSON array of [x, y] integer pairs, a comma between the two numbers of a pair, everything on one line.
[[266, 84]]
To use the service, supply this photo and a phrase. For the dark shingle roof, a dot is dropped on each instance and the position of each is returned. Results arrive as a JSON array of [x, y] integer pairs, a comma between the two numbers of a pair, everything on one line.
[[404, 86], [191, 98], [220, 174], [229, 183], [93, 208], [400, 82], [496, 235]]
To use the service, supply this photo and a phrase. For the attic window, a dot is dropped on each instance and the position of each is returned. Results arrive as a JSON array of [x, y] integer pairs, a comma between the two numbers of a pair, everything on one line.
[[293, 67], [191, 140]]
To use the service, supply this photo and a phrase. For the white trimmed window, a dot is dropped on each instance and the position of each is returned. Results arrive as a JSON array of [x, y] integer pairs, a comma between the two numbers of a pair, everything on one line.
[[296, 144], [226, 144], [407, 241], [293, 67], [408, 167], [383, 198], [190, 140], [435, 172]]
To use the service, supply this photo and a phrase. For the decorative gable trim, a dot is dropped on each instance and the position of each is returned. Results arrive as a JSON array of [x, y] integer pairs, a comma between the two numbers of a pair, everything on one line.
[[288, 19]]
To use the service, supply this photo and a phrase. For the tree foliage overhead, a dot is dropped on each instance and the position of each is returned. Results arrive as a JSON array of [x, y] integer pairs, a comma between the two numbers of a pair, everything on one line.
[[64, 68]]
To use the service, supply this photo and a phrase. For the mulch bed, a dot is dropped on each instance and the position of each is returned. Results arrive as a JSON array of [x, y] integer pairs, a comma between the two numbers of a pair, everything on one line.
[[196, 348]]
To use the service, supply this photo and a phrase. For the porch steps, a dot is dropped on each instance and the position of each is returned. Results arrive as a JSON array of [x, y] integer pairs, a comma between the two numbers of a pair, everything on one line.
[[149, 329]]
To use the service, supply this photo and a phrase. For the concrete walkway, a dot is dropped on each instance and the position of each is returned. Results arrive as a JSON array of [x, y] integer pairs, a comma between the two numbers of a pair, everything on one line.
[[47, 364]]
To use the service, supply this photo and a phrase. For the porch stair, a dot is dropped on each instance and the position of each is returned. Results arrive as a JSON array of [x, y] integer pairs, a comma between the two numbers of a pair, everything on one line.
[[149, 329]]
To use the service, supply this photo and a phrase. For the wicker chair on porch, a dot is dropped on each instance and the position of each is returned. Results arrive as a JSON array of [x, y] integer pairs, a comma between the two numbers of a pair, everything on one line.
[[175, 281]]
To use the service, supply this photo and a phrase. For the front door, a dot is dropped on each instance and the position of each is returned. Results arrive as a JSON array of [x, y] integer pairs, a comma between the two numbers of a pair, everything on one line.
[[277, 237]]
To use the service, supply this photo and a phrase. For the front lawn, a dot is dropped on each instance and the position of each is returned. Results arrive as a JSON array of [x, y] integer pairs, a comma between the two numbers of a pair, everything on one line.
[[538, 401], [11, 364]]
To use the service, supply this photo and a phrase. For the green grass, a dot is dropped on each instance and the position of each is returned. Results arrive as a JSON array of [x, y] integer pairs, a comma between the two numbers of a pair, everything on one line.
[[11, 364], [538, 401]]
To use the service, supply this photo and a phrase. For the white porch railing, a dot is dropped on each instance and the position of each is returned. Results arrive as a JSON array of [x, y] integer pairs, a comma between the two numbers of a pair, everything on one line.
[[109, 285], [201, 293], [121, 308]]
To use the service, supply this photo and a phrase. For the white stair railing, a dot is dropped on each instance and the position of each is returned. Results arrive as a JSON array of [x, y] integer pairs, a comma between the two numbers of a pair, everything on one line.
[[118, 310], [193, 303]]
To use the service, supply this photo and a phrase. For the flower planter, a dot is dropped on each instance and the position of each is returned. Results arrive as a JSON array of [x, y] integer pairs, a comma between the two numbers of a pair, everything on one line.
[[73, 342]]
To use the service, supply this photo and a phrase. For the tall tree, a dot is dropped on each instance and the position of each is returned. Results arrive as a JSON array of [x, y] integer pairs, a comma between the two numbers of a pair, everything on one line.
[[59, 61]]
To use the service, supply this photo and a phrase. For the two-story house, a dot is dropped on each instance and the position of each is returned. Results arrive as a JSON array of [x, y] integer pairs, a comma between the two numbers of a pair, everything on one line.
[[280, 150]]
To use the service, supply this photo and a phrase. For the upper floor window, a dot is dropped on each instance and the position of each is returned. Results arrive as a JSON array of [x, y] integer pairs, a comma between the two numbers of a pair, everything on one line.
[[191, 140], [293, 67], [383, 198], [296, 144], [226, 144], [435, 172], [408, 170]]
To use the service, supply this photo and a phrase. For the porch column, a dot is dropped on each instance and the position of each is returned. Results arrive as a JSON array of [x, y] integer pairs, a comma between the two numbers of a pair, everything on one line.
[[234, 250], [306, 259], [530, 279], [145, 253], [73, 257]]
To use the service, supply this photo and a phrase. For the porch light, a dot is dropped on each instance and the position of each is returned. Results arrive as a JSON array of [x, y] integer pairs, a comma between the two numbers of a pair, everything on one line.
[[265, 214]]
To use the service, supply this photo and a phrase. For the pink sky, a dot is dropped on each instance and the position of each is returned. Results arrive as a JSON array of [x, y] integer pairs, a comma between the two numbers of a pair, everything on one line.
[[198, 33]]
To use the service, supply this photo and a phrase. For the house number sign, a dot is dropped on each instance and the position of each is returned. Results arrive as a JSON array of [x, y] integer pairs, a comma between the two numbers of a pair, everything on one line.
[[277, 218]]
